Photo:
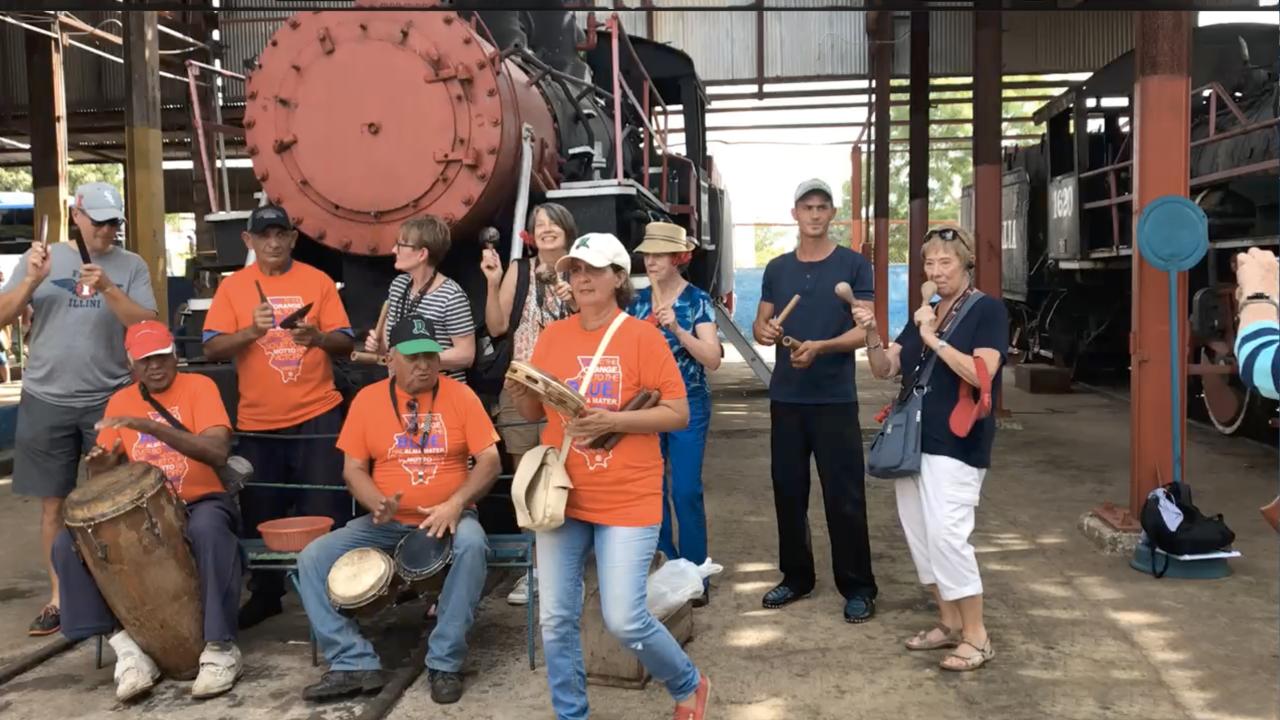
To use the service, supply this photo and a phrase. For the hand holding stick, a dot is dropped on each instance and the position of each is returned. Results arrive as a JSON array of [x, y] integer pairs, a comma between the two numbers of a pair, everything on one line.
[[643, 400], [369, 358]]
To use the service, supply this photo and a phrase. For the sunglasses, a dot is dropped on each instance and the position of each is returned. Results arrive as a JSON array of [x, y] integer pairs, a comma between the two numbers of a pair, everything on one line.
[[412, 427], [948, 235], [113, 222]]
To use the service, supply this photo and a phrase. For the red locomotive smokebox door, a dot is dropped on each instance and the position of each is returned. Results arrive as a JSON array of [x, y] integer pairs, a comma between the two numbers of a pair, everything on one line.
[[367, 142]]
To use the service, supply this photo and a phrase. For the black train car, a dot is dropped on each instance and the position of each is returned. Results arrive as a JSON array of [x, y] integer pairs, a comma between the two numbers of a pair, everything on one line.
[[1068, 218]]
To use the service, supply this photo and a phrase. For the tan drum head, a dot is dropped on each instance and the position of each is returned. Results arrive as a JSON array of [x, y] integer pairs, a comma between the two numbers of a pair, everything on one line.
[[550, 390], [112, 492], [359, 576]]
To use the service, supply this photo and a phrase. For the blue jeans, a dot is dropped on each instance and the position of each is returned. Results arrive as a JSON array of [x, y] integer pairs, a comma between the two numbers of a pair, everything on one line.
[[623, 555], [682, 452], [339, 637]]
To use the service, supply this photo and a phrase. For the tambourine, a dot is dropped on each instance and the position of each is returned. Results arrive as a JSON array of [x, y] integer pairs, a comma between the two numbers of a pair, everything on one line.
[[550, 390]]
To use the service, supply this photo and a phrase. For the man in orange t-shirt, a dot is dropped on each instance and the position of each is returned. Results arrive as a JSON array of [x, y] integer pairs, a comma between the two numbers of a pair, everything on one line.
[[133, 428], [286, 385], [419, 430]]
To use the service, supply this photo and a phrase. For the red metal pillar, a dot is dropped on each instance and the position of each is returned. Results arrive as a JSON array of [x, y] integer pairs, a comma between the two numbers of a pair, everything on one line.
[[918, 177], [1161, 152], [883, 63], [856, 237], [986, 149]]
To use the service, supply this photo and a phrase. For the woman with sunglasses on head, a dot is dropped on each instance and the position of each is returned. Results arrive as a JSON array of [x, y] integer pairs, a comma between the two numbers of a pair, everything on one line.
[[522, 315], [685, 315], [615, 506], [422, 291], [937, 507]]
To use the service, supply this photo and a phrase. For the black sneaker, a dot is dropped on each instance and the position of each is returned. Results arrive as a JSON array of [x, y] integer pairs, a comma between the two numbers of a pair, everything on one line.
[[339, 684], [257, 609], [781, 596], [859, 609], [48, 622], [703, 599], [446, 687]]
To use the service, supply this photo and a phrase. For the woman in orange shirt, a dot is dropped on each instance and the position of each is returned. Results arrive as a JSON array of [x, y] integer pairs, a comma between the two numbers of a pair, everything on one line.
[[615, 507]]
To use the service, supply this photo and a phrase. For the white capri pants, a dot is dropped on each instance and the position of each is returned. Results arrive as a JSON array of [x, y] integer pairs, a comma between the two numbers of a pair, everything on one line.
[[937, 509]]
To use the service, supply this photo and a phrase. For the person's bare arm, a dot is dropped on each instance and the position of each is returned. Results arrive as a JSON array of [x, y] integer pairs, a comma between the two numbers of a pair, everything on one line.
[[355, 471], [17, 302], [528, 404], [461, 355], [210, 447], [765, 329], [666, 416], [498, 302], [963, 364], [703, 344]]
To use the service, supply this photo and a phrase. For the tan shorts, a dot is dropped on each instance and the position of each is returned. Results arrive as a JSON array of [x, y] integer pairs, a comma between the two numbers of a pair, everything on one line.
[[520, 438]]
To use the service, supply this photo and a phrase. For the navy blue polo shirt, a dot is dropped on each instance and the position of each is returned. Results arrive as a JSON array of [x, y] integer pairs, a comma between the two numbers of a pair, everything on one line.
[[986, 325], [820, 315]]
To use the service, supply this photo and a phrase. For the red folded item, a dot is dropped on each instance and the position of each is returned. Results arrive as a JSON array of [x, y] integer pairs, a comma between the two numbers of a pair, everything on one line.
[[884, 413], [968, 409]]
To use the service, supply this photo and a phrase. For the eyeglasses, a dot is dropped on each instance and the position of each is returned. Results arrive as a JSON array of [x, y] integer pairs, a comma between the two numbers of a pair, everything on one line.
[[412, 426], [410, 246]]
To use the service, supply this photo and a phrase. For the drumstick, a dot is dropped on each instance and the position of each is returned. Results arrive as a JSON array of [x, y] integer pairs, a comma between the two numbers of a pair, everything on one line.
[[368, 358], [643, 400], [381, 327], [782, 316]]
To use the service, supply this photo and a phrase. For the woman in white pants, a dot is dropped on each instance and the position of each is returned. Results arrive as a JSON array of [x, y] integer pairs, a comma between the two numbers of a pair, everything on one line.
[[937, 507]]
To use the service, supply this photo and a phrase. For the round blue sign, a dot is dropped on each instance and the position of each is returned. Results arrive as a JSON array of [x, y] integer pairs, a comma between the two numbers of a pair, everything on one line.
[[1173, 233]]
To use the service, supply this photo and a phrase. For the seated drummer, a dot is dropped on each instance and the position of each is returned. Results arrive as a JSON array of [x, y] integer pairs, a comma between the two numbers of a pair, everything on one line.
[[133, 429], [419, 433]]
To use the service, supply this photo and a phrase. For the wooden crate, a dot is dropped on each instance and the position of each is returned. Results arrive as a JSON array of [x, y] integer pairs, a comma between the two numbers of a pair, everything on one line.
[[607, 661]]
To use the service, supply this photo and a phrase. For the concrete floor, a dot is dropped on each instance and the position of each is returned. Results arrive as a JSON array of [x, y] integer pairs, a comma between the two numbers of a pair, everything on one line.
[[1078, 634]]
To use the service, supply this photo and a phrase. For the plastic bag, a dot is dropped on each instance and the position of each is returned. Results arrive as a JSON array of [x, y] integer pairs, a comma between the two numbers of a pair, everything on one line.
[[676, 583]]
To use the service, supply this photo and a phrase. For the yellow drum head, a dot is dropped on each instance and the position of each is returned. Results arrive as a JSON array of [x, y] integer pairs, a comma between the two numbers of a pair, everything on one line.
[[112, 492], [359, 576]]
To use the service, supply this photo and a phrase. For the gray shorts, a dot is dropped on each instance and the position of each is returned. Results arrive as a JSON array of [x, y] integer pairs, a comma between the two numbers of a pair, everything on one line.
[[48, 444]]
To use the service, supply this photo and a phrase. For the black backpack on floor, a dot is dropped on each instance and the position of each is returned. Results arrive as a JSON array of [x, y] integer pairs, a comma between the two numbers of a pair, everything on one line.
[[1197, 533]]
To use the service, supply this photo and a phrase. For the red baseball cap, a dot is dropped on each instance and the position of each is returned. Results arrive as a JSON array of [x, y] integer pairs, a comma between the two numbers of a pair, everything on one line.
[[147, 338]]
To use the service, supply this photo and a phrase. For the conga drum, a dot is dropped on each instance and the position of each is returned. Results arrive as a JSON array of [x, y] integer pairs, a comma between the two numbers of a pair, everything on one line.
[[420, 558], [362, 582], [130, 532]]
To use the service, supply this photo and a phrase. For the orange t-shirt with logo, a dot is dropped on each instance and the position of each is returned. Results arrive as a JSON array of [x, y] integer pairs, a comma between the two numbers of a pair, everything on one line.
[[193, 400], [622, 486], [429, 466], [281, 383]]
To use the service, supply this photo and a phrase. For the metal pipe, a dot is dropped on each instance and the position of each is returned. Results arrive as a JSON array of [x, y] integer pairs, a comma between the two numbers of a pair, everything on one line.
[[614, 26], [193, 69]]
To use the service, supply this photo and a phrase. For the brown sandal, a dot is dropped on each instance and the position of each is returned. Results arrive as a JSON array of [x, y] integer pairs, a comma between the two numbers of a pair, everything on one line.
[[951, 638], [972, 662]]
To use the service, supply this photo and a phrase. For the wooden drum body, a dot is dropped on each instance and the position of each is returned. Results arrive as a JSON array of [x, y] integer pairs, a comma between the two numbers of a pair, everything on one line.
[[130, 532], [362, 582], [550, 390]]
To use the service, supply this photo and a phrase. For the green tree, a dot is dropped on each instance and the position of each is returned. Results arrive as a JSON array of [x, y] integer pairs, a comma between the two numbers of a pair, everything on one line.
[[950, 168], [18, 179], [769, 244]]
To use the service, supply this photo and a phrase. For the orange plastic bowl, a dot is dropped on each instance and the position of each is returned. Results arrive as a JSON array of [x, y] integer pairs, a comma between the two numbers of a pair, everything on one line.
[[293, 534]]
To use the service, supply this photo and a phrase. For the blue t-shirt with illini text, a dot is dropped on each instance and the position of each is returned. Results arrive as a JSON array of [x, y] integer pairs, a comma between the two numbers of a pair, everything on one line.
[[820, 315]]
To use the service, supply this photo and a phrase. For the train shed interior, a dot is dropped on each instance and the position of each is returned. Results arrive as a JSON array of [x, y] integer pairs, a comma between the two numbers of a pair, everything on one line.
[[1080, 118]]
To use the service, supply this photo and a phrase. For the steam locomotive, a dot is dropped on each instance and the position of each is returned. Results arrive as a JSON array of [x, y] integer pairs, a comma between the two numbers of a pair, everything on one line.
[[1067, 235], [357, 120]]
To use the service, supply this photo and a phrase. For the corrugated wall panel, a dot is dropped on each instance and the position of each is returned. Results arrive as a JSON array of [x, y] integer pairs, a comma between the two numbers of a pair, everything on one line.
[[13, 74], [807, 44], [632, 20], [722, 44]]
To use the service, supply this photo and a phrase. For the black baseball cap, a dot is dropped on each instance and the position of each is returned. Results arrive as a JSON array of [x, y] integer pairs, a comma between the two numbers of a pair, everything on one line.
[[269, 216], [414, 335]]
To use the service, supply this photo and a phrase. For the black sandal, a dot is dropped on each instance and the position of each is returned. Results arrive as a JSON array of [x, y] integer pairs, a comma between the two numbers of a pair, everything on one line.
[[48, 622]]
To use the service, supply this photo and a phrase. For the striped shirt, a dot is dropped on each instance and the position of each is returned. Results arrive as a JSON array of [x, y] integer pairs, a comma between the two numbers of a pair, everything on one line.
[[1259, 361], [446, 307]]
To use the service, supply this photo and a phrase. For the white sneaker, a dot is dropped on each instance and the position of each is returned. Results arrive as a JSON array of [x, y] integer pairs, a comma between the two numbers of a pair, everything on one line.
[[519, 594], [135, 672], [220, 667]]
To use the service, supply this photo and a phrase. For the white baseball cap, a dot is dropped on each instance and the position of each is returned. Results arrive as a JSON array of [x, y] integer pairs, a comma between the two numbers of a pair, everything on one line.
[[813, 185], [597, 250], [100, 201]]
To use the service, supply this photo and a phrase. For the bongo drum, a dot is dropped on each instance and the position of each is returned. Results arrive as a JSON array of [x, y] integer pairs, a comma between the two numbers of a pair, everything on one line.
[[550, 390], [362, 582], [420, 558], [130, 532]]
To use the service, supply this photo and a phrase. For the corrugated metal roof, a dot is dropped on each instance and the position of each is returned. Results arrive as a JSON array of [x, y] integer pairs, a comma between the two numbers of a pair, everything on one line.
[[722, 44], [811, 44], [1033, 42]]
